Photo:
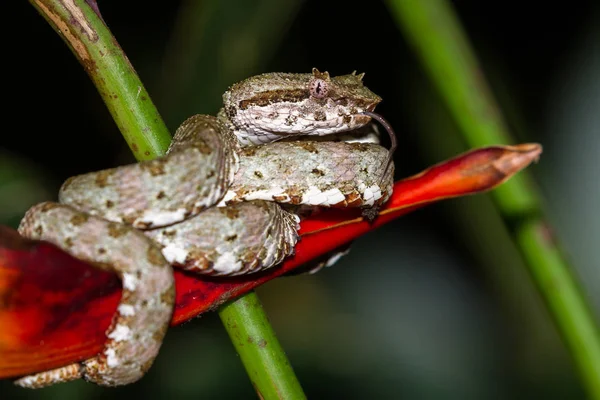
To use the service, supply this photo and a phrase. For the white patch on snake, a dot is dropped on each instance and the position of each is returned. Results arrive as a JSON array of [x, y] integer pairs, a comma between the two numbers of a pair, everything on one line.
[[120, 333], [163, 217], [370, 194], [130, 281], [30, 380], [263, 194], [368, 138], [227, 264], [174, 254], [316, 197], [230, 195], [126, 310], [111, 358]]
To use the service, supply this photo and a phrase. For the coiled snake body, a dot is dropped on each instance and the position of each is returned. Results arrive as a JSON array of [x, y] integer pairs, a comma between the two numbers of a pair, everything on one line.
[[140, 219]]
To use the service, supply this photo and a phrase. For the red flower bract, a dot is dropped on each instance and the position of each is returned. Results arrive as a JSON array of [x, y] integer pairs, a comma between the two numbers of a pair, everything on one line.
[[54, 309]]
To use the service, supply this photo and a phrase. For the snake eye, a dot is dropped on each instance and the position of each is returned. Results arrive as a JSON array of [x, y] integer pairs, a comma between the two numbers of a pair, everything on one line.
[[318, 88]]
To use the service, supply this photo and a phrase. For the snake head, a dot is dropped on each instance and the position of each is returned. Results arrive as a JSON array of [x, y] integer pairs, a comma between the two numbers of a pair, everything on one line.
[[272, 106]]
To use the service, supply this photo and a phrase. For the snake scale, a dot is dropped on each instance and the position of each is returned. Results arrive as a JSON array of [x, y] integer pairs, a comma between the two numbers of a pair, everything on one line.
[[212, 204]]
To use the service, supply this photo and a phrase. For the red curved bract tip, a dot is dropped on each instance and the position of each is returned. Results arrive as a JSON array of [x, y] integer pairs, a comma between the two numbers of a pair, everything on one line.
[[54, 309]]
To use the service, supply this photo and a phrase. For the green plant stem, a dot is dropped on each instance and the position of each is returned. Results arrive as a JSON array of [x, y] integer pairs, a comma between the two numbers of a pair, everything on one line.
[[433, 30], [80, 25], [260, 351]]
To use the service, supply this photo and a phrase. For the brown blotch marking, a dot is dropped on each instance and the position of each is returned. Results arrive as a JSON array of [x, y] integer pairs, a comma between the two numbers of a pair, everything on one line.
[[155, 257], [109, 204], [146, 153], [309, 146], [79, 219], [143, 225], [202, 146], [168, 296], [295, 193], [318, 172], [197, 260], [69, 242], [267, 97], [130, 218], [262, 343], [279, 198], [340, 204], [291, 120], [160, 195], [48, 206], [116, 230], [319, 115], [230, 212], [159, 334], [67, 183], [230, 111], [249, 151], [134, 147], [155, 167], [39, 230], [146, 366], [101, 250], [353, 200], [258, 174], [102, 178], [231, 238], [347, 119], [169, 233], [362, 147], [210, 174]]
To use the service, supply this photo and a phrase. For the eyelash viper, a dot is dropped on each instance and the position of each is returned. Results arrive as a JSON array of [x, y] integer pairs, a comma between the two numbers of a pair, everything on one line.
[[211, 204]]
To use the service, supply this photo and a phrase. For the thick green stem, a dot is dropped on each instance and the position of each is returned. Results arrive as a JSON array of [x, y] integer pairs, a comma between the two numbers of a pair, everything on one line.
[[432, 28], [260, 351], [80, 25]]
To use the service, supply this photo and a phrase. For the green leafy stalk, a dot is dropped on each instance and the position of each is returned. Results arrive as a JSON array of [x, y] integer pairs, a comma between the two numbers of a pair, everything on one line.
[[80, 25], [433, 30], [260, 351]]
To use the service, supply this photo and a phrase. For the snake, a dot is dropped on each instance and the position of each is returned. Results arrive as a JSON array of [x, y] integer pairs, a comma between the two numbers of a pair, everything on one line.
[[219, 203]]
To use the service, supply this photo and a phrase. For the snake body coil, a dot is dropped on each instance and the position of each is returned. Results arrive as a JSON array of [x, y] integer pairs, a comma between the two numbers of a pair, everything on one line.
[[228, 161]]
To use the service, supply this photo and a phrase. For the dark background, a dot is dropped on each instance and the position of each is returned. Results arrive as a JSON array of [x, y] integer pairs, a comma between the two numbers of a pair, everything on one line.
[[435, 306]]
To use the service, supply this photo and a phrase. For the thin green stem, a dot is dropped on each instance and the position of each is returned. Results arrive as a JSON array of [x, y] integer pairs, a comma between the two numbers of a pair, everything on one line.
[[80, 25], [260, 351], [432, 28]]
